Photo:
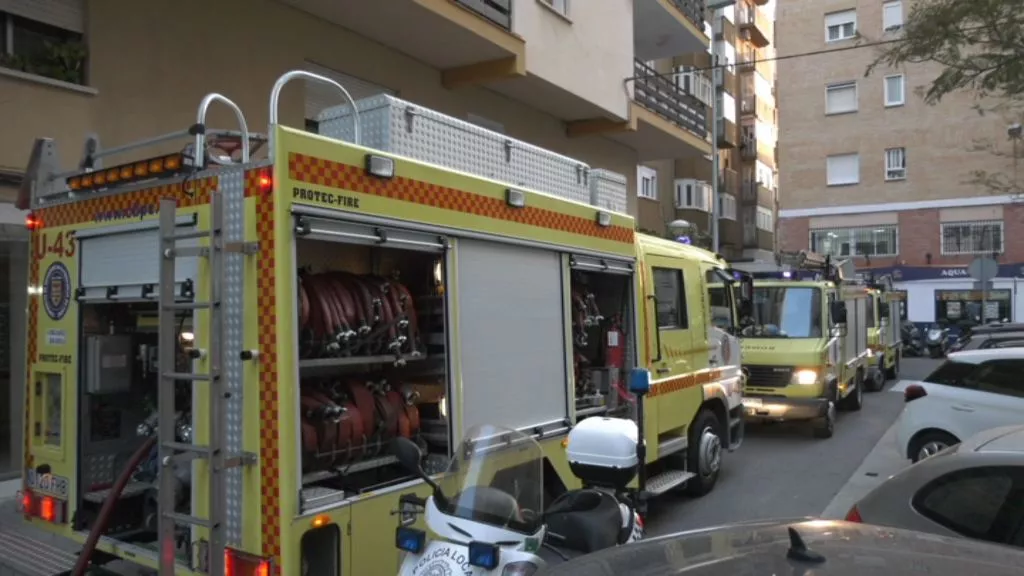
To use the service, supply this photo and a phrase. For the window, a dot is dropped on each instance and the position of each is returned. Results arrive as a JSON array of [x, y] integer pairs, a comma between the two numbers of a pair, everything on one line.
[[765, 219], [647, 183], [840, 25], [998, 377], [864, 241], [951, 373], [896, 164], [972, 237], [42, 44], [668, 290], [841, 98], [842, 169], [727, 206], [693, 194], [560, 6], [695, 83], [894, 90], [892, 16], [1006, 344], [975, 502]]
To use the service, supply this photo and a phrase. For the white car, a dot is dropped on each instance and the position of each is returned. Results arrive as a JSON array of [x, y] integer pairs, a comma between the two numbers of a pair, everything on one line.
[[971, 391]]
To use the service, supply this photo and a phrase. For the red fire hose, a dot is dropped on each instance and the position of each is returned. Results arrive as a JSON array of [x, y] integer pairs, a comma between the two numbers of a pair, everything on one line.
[[100, 526]]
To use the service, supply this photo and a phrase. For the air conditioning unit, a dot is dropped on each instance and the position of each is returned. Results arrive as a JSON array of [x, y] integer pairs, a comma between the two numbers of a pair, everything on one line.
[[693, 194]]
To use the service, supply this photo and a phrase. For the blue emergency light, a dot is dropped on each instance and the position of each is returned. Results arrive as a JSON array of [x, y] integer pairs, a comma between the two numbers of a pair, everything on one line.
[[410, 539], [639, 381], [684, 239], [483, 555]]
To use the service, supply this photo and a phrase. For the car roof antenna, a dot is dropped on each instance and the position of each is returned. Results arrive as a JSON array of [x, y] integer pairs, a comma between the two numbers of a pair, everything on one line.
[[798, 550]]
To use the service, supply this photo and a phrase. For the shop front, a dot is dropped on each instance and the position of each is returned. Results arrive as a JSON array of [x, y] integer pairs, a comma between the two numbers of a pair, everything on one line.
[[13, 298]]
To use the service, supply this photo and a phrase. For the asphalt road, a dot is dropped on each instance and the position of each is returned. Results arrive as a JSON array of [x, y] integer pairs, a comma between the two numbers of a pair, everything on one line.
[[782, 471]]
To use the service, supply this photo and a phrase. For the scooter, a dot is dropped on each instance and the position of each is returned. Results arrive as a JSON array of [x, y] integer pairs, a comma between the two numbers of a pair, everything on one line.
[[913, 345], [937, 341], [487, 510]]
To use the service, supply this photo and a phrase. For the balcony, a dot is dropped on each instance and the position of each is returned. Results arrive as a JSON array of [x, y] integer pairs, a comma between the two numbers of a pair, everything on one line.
[[729, 182], [746, 61], [760, 2], [754, 26], [666, 28], [728, 133], [665, 121], [755, 193], [752, 148], [478, 45], [753, 106]]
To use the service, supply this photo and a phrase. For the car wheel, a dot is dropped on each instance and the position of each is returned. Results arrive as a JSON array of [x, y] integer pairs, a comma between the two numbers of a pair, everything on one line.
[[825, 426], [929, 444], [704, 456]]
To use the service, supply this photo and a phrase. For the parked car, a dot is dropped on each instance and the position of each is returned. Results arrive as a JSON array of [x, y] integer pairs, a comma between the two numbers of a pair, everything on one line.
[[971, 391], [795, 547], [995, 335], [974, 489]]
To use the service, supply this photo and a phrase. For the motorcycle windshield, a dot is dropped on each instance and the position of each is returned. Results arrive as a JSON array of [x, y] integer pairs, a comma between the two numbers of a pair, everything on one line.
[[496, 477]]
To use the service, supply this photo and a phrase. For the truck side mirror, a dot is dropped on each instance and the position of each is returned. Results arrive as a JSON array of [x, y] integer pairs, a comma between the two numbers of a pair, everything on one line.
[[883, 309], [745, 308], [837, 310], [747, 288]]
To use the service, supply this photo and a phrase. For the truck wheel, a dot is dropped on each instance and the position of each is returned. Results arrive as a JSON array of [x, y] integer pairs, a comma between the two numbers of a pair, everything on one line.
[[894, 372], [825, 426], [855, 399], [704, 455]]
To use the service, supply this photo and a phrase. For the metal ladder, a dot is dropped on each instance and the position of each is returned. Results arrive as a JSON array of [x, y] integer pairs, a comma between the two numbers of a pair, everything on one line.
[[171, 452]]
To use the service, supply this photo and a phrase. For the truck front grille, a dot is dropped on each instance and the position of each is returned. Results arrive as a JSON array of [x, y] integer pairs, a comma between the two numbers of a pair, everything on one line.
[[769, 376]]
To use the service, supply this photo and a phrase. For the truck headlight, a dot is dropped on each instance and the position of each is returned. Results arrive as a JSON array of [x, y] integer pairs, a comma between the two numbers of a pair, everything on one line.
[[805, 377]]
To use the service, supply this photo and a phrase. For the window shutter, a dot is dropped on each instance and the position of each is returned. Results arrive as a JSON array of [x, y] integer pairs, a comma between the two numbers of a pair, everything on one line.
[[844, 169], [66, 14], [839, 18], [841, 98], [892, 15], [320, 96]]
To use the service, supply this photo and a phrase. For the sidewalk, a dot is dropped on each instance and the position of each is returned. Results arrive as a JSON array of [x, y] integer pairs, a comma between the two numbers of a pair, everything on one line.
[[883, 461]]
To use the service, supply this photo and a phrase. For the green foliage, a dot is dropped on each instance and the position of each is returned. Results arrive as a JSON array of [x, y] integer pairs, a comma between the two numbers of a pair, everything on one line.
[[61, 61], [978, 43]]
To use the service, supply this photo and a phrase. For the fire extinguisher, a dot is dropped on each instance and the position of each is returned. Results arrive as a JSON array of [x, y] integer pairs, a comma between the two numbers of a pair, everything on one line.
[[614, 342]]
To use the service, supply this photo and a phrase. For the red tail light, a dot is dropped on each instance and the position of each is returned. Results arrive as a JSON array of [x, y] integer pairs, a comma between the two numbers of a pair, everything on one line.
[[47, 508], [240, 564], [32, 222], [854, 516], [913, 392]]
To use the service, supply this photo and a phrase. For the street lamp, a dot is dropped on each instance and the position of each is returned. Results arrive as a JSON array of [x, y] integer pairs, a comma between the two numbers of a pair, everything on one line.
[[714, 7]]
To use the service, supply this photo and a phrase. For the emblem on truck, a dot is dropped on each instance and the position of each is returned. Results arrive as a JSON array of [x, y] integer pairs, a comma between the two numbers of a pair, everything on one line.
[[56, 290]]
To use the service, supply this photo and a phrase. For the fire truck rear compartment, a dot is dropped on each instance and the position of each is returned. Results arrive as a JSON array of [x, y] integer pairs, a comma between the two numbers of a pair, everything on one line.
[[372, 364], [118, 412]]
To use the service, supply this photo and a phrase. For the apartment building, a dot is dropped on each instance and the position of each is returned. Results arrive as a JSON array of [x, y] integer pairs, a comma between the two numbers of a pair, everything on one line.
[[740, 93], [549, 72], [870, 171]]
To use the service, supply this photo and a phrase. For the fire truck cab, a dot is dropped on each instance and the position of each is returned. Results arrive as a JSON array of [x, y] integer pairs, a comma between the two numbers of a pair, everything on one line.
[[225, 337]]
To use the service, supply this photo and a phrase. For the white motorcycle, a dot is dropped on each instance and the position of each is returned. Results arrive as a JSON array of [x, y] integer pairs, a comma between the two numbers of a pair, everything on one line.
[[487, 511]]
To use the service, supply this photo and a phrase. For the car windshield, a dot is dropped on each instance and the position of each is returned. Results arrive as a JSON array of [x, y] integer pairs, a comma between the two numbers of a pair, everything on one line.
[[785, 312], [951, 373], [496, 477]]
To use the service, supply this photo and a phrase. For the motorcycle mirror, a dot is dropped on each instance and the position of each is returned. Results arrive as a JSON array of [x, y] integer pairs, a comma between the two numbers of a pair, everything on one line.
[[408, 454]]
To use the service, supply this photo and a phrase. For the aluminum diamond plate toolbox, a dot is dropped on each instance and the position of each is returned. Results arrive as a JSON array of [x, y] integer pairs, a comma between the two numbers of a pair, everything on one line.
[[410, 130], [608, 190]]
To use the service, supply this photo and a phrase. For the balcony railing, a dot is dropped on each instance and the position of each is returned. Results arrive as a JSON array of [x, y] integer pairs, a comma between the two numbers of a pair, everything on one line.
[[756, 192], [729, 182], [497, 11], [664, 97], [693, 10]]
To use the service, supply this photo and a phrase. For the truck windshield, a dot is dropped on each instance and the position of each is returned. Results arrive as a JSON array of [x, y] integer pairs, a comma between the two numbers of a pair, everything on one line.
[[721, 305], [785, 312]]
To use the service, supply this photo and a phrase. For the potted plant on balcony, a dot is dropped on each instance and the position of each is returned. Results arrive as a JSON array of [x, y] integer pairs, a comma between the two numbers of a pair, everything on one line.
[[64, 61]]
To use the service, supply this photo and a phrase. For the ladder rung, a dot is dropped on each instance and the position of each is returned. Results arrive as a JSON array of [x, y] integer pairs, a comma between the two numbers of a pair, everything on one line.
[[190, 305], [185, 519], [187, 376], [197, 449], [191, 252], [243, 459], [191, 235]]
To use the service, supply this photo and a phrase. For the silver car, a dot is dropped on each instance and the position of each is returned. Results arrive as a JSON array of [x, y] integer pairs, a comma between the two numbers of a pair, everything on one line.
[[974, 489], [799, 547]]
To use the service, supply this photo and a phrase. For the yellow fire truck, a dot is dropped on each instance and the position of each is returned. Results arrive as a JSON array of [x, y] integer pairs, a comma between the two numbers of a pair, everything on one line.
[[884, 328], [222, 347], [805, 344]]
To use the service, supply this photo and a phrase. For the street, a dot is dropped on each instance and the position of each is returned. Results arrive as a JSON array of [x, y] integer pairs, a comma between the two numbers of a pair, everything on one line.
[[782, 471]]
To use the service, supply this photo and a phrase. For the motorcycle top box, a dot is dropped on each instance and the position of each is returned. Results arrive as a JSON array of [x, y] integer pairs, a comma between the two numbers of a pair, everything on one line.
[[602, 452]]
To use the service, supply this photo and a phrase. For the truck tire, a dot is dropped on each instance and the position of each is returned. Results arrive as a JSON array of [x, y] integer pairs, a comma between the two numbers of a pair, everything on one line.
[[855, 398], [894, 372], [825, 426], [704, 455], [876, 381]]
